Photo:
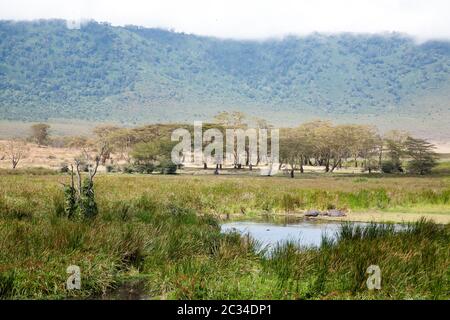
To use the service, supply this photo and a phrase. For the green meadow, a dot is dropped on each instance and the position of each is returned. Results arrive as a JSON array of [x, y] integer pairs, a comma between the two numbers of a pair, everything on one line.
[[161, 233]]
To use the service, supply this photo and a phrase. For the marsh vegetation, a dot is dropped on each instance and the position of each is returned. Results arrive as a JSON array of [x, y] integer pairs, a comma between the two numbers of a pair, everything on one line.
[[164, 232]]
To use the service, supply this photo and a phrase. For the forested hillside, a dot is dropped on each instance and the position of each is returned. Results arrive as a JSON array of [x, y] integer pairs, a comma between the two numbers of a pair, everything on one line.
[[136, 75]]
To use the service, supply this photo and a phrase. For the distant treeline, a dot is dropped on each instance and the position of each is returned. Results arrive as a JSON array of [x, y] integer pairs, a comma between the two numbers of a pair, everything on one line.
[[317, 143]]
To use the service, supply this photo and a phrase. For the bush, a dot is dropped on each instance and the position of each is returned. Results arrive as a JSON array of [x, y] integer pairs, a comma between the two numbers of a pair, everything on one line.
[[167, 167], [82, 206], [391, 167], [64, 168], [144, 168], [421, 166], [86, 205], [128, 169]]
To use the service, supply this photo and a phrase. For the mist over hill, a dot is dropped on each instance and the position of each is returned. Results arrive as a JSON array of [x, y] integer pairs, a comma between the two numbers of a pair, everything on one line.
[[136, 75]]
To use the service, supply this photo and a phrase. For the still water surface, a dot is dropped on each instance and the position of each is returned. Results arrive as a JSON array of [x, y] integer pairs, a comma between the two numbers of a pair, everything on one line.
[[306, 233]]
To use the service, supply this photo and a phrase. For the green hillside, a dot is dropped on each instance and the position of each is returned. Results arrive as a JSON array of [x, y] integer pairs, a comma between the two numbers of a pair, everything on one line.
[[135, 75]]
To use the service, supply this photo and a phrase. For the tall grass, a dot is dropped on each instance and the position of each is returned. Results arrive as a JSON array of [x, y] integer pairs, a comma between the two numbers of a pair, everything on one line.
[[164, 231], [178, 253], [231, 195], [141, 237], [414, 263]]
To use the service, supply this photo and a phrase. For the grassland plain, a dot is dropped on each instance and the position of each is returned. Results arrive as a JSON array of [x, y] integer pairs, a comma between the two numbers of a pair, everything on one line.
[[245, 196], [163, 232]]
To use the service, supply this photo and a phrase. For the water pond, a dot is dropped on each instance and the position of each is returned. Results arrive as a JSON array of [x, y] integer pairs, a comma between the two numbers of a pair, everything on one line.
[[305, 232]]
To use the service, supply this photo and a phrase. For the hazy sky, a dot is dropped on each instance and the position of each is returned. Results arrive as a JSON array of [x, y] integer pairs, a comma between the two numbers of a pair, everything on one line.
[[423, 19]]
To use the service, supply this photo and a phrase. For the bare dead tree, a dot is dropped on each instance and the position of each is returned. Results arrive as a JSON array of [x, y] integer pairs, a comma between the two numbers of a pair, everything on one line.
[[92, 160], [15, 150], [80, 197]]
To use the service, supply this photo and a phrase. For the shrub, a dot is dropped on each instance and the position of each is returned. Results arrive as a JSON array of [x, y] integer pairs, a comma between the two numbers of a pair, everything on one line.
[[82, 205], [144, 168], [64, 168], [87, 205], [423, 166], [70, 201], [128, 169], [167, 167], [391, 167]]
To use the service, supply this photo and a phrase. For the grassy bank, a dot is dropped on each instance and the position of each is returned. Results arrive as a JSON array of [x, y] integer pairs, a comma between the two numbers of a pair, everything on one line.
[[178, 254], [246, 196], [163, 232]]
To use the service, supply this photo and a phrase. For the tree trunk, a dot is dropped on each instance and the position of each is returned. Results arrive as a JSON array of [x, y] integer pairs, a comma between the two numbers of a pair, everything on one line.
[[335, 165], [380, 158], [302, 161]]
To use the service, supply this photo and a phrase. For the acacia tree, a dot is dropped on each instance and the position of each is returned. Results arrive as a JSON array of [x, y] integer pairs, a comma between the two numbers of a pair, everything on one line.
[[78, 142], [15, 150], [233, 120], [259, 124], [145, 155], [40, 133], [422, 154], [103, 131], [288, 149], [102, 135], [154, 155], [338, 138], [394, 146], [317, 134], [354, 140], [295, 147], [361, 140], [370, 147], [330, 145], [122, 141]]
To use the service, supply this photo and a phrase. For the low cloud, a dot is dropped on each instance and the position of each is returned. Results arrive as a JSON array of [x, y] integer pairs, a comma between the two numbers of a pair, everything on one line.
[[251, 19]]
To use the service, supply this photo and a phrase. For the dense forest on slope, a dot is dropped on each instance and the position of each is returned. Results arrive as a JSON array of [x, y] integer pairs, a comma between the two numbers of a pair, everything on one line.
[[134, 75]]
